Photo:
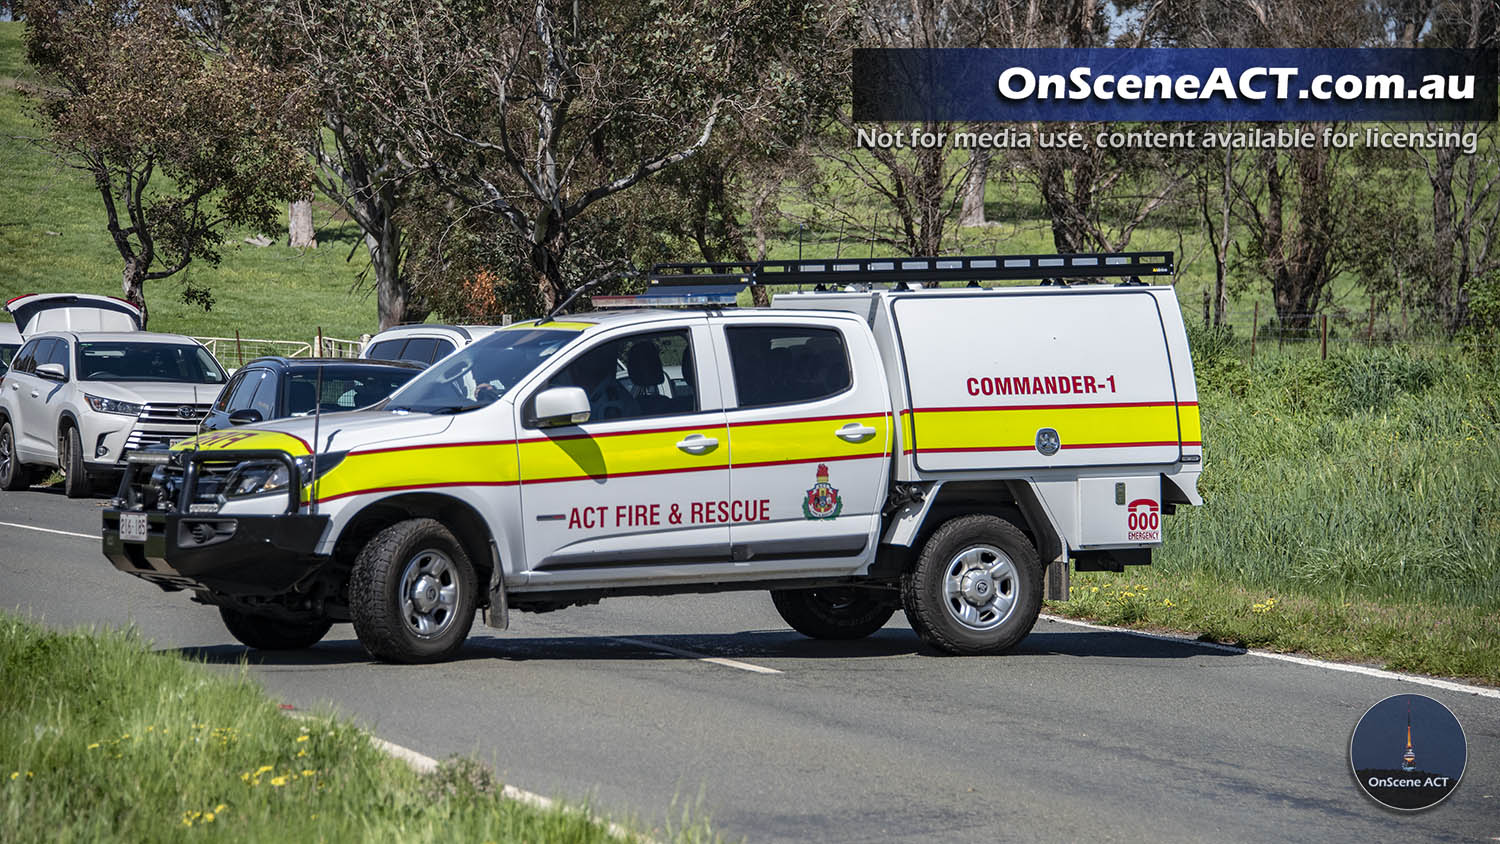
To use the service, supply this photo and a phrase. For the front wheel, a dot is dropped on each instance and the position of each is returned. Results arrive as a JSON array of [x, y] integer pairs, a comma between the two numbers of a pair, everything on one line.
[[76, 480], [841, 612], [976, 588], [271, 634], [412, 593], [14, 475]]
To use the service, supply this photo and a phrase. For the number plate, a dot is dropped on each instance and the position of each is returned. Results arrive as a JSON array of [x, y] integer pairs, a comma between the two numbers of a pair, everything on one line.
[[133, 527]]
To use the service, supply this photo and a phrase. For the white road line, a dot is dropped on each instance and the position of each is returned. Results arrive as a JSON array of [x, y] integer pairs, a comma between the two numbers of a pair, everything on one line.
[[1381, 673], [424, 764], [93, 536], [716, 660]]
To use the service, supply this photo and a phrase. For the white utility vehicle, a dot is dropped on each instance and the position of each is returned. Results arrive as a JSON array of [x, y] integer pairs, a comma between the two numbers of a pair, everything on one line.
[[944, 450]]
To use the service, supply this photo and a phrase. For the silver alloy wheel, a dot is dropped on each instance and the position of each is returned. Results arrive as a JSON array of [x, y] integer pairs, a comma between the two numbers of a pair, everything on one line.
[[979, 587], [429, 593], [5, 453]]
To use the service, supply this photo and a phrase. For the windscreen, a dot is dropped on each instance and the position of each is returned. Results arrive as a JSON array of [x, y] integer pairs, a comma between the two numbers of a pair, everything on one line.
[[481, 372], [344, 387], [124, 361]]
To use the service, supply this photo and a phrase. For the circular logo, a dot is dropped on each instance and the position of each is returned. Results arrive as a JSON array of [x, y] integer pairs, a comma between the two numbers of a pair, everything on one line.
[[1048, 442], [1408, 752]]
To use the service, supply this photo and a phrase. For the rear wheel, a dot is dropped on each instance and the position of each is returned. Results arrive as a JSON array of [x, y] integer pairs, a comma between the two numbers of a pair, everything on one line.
[[976, 588], [272, 634], [840, 612], [76, 480], [13, 474], [412, 593]]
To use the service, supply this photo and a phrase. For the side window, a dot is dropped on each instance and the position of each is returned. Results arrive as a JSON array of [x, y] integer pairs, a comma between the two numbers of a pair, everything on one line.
[[25, 360], [60, 355], [387, 349], [264, 398], [777, 364], [419, 349], [441, 349], [221, 404], [635, 377], [245, 390]]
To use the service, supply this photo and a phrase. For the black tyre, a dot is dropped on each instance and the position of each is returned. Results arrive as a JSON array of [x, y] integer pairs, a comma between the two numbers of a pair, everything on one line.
[[840, 612], [13, 474], [412, 593], [272, 634], [76, 480], [976, 587]]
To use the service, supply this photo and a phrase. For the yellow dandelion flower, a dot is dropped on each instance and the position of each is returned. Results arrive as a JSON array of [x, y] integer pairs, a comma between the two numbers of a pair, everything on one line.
[[307, 772], [301, 753], [278, 781], [303, 738], [94, 745], [1093, 590], [221, 807], [208, 817], [14, 774], [262, 769]]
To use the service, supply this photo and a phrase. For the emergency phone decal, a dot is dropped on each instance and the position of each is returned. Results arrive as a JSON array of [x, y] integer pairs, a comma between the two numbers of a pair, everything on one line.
[[1143, 518], [823, 501]]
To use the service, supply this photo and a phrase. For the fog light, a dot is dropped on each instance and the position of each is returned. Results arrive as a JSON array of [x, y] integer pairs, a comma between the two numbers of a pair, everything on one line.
[[101, 450]]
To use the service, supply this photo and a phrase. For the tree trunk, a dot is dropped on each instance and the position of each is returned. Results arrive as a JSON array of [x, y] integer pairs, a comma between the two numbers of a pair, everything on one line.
[[133, 283], [972, 213], [1444, 235], [393, 300], [300, 225]]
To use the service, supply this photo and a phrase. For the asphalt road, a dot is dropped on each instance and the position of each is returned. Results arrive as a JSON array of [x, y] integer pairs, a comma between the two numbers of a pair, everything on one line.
[[1077, 735]]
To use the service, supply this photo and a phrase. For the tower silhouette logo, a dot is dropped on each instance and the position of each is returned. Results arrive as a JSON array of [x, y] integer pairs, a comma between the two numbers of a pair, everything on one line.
[[1408, 752]]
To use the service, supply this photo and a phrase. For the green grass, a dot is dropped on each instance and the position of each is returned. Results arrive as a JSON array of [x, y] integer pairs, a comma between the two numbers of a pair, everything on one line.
[[1361, 492], [105, 740], [53, 239]]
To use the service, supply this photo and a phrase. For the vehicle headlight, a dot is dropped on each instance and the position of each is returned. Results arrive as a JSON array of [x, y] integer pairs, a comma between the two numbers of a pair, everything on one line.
[[103, 405], [261, 477]]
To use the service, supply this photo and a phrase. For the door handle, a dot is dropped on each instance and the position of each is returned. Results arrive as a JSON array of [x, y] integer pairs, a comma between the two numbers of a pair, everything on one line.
[[855, 432], [697, 444]]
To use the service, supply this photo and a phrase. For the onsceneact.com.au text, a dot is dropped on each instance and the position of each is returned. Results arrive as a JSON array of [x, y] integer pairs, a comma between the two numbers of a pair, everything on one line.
[[1254, 83]]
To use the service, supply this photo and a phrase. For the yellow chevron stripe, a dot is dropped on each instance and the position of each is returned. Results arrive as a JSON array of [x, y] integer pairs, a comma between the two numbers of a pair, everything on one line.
[[1001, 428], [1192, 429], [239, 439], [783, 441], [438, 465], [651, 451]]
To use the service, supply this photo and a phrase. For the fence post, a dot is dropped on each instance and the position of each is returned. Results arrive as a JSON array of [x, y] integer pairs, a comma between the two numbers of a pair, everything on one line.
[[239, 350], [1205, 307], [1370, 329], [1323, 321], [1254, 329], [317, 353]]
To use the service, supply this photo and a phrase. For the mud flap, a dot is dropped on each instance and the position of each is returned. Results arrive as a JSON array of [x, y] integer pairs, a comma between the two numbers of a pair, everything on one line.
[[1056, 581], [497, 613]]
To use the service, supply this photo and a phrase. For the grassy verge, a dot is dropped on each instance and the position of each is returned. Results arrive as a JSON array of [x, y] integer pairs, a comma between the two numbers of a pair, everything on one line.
[[1352, 511], [105, 740]]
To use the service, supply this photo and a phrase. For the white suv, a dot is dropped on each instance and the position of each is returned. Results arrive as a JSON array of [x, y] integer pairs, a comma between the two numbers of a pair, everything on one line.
[[423, 344], [81, 401]]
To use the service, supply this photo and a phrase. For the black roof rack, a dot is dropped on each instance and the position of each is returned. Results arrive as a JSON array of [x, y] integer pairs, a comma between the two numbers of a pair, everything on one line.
[[841, 271]]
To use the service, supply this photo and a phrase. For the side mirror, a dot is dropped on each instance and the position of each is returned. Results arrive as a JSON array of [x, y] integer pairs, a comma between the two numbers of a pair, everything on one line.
[[561, 406], [52, 372], [245, 416]]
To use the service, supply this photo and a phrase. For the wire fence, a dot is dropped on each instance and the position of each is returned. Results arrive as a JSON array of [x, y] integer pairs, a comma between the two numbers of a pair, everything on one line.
[[1258, 328], [234, 352]]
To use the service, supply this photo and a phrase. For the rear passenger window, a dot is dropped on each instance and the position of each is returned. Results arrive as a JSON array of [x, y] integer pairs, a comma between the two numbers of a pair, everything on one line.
[[442, 349], [419, 349], [786, 364], [387, 349]]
